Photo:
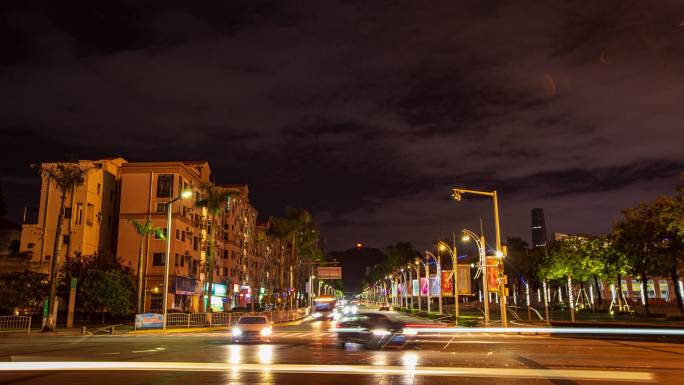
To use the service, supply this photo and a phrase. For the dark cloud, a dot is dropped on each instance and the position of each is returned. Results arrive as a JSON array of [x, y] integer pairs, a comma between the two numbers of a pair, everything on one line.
[[365, 112]]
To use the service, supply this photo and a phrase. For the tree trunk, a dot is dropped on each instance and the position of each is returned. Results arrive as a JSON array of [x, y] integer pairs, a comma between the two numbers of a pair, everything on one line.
[[619, 292], [644, 280], [674, 275], [140, 298], [546, 301], [210, 270], [571, 299], [599, 295], [71, 205], [51, 323]]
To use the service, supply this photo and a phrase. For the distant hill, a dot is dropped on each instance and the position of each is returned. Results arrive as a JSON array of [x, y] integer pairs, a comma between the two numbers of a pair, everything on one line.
[[354, 263]]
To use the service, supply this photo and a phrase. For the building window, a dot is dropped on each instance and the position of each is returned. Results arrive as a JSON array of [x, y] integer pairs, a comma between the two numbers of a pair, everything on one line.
[[180, 184], [161, 207], [158, 259], [225, 254], [164, 185], [177, 234], [67, 212], [30, 245], [90, 214], [183, 236], [156, 300], [176, 260], [195, 243], [99, 187], [182, 261], [225, 271], [65, 239], [79, 213]]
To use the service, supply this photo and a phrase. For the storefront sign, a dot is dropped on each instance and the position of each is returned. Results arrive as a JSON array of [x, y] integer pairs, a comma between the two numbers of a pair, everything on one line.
[[219, 290]]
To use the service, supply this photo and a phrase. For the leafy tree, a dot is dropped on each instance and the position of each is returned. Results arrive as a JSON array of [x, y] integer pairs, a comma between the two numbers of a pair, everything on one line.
[[65, 176], [638, 236], [143, 229], [105, 285], [109, 291], [214, 199], [26, 289]]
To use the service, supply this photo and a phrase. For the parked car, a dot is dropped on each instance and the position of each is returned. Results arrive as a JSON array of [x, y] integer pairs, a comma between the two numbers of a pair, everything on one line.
[[252, 328], [374, 330]]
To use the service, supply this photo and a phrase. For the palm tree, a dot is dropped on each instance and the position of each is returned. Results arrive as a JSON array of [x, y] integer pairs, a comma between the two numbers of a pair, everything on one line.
[[143, 229], [214, 199], [295, 222], [66, 176]]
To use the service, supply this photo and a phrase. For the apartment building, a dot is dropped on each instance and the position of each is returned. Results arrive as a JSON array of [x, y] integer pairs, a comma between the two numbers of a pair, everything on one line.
[[146, 190], [249, 264], [90, 215]]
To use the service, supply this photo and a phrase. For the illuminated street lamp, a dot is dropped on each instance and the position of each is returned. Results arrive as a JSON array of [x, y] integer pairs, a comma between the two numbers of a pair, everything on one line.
[[480, 242], [438, 261], [454, 263], [169, 207], [457, 193]]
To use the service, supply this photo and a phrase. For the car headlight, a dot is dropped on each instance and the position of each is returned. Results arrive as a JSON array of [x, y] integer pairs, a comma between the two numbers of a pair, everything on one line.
[[409, 332], [380, 332], [317, 315], [265, 332], [236, 332]]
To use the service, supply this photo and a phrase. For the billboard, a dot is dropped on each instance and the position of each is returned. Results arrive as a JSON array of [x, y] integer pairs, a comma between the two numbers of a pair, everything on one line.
[[448, 282], [463, 277], [415, 287], [434, 285], [492, 274], [329, 273], [423, 287]]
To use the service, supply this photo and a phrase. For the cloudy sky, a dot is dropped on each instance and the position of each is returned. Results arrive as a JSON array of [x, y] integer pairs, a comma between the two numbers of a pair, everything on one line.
[[365, 112]]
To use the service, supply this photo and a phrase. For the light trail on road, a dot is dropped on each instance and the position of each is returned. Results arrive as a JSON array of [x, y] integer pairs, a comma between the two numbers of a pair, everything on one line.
[[525, 330], [567, 374]]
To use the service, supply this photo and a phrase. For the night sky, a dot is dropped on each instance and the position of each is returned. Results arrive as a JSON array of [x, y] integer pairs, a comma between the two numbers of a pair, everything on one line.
[[365, 112]]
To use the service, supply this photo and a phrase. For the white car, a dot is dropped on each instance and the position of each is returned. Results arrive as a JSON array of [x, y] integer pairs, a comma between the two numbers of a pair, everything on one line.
[[252, 328]]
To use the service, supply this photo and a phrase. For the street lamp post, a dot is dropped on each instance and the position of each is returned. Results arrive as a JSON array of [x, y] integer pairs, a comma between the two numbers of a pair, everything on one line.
[[438, 261], [454, 264], [480, 242], [409, 267], [499, 252], [169, 209], [427, 277]]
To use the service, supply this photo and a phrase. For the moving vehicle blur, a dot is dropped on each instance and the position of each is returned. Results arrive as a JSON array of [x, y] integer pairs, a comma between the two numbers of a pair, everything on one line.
[[324, 307], [374, 330], [252, 328]]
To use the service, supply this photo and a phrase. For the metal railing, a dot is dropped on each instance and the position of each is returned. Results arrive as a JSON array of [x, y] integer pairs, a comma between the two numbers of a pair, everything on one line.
[[210, 320], [15, 323]]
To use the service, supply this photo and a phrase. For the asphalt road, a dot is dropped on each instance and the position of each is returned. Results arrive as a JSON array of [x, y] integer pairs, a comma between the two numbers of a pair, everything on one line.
[[309, 354]]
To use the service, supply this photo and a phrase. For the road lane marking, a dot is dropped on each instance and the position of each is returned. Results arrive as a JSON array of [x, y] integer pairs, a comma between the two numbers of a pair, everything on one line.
[[569, 374]]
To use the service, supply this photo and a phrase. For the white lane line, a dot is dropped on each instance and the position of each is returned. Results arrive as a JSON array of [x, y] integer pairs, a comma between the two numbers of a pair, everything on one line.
[[572, 374]]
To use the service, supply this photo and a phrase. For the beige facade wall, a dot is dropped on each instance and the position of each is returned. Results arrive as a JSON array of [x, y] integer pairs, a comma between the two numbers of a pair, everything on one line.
[[141, 200], [90, 215]]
